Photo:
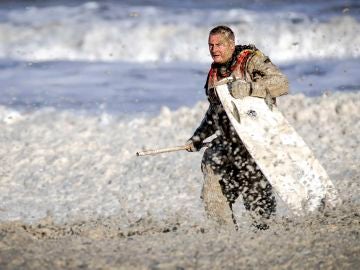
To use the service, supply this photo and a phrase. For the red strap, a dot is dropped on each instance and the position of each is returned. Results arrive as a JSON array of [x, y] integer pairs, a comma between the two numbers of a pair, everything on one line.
[[212, 75], [241, 61]]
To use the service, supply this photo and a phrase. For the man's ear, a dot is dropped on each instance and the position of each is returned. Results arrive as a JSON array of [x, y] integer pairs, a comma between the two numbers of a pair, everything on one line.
[[233, 46]]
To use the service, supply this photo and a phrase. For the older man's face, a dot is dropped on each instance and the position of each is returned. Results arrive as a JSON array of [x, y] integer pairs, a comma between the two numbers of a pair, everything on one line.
[[221, 48]]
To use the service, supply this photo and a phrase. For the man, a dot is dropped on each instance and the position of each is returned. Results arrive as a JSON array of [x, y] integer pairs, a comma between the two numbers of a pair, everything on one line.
[[228, 168]]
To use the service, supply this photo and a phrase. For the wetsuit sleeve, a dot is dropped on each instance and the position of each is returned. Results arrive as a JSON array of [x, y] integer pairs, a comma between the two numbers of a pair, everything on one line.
[[266, 77], [206, 127]]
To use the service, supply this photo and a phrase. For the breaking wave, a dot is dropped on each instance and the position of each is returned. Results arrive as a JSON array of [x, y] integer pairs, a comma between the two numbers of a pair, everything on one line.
[[93, 32]]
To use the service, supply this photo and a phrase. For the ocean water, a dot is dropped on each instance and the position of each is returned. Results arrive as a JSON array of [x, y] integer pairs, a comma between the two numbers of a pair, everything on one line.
[[136, 56], [84, 85]]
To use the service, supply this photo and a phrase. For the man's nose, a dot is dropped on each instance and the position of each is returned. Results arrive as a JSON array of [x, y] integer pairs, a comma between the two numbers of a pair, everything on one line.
[[213, 49]]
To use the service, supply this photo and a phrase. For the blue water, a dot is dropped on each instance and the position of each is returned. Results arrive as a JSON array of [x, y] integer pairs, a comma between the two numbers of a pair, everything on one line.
[[138, 88], [99, 87]]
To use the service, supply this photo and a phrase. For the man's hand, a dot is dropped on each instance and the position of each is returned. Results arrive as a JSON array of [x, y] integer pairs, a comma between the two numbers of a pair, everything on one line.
[[240, 89], [194, 144]]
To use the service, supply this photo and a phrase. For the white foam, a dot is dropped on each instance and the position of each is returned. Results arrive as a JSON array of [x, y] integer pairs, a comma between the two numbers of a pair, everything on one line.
[[10, 116], [140, 34], [75, 166]]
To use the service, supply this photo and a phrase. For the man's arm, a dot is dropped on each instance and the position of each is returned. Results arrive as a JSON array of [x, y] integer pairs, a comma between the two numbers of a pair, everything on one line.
[[266, 77]]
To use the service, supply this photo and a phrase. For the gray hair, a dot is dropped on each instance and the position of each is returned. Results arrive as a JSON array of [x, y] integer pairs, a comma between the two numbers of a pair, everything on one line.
[[224, 30]]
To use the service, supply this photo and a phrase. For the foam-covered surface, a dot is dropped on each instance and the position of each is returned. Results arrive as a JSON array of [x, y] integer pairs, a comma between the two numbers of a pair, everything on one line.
[[74, 193], [75, 166]]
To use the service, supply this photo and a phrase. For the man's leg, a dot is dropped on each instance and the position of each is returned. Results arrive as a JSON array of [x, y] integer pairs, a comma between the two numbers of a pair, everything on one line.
[[255, 189], [217, 206], [261, 202]]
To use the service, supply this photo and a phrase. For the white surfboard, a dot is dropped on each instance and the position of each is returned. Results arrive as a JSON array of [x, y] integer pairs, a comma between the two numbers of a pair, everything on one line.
[[281, 154]]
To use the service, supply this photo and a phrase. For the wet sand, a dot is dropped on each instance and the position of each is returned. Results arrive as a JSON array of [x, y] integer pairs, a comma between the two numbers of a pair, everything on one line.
[[330, 240], [327, 242]]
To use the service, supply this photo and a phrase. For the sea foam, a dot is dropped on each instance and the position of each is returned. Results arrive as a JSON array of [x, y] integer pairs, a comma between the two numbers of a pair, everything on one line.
[[91, 32]]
